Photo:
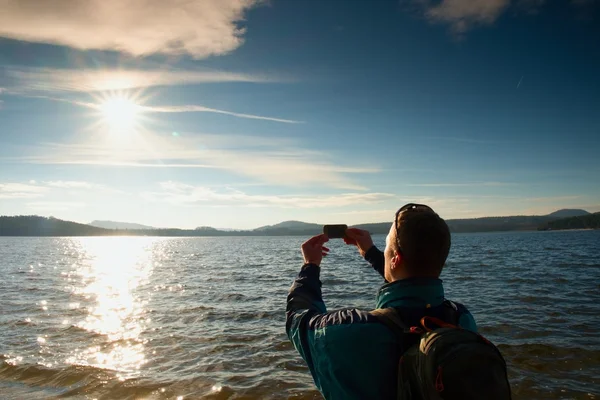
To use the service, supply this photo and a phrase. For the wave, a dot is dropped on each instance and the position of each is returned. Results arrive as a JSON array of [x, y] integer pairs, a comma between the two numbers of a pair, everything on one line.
[[39, 375], [90, 382]]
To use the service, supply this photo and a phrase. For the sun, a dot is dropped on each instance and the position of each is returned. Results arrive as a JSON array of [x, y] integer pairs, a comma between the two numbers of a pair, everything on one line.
[[120, 114]]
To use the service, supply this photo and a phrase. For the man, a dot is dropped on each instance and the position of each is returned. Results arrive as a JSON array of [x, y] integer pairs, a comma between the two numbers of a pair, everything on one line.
[[351, 354]]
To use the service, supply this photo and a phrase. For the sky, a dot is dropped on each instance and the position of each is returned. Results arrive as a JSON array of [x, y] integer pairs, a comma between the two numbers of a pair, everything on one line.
[[244, 113]]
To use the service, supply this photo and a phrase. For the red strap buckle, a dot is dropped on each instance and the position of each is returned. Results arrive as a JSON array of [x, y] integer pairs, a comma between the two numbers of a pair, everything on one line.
[[416, 329]]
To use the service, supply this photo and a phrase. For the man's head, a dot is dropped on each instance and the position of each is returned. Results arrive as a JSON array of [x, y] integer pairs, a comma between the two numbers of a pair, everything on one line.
[[417, 245]]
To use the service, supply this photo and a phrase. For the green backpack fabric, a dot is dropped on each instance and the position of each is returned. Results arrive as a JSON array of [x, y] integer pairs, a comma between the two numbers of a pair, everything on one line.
[[444, 361]]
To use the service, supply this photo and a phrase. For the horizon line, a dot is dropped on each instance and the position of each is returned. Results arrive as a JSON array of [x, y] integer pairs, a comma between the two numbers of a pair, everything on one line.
[[291, 220]]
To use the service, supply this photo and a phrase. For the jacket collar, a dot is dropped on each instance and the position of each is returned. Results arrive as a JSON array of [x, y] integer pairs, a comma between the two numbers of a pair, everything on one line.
[[412, 292]]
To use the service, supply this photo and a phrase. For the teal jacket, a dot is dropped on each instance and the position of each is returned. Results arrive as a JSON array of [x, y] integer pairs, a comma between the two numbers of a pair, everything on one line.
[[350, 354]]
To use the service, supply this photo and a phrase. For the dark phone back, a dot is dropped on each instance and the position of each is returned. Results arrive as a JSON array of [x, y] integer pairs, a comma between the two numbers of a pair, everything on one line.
[[335, 231]]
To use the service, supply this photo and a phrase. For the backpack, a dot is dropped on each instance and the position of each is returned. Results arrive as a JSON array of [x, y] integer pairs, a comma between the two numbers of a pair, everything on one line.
[[445, 361]]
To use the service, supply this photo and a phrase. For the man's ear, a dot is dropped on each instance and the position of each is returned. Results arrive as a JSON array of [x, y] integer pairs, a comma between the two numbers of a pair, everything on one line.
[[396, 260]]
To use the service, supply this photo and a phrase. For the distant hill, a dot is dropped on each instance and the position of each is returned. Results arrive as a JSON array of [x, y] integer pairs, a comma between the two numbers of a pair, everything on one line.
[[118, 225], [41, 226], [568, 212], [290, 228], [589, 221], [290, 225], [32, 225], [484, 224], [498, 224]]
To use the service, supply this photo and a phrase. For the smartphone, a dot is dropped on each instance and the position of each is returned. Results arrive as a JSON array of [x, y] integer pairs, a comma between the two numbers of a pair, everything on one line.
[[335, 231]]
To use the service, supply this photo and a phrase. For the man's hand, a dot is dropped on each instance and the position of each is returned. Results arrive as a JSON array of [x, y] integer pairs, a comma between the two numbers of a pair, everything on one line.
[[313, 250], [360, 238]]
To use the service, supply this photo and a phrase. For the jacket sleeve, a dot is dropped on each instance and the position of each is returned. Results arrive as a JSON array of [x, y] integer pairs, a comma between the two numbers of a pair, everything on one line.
[[375, 257], [304, 301]]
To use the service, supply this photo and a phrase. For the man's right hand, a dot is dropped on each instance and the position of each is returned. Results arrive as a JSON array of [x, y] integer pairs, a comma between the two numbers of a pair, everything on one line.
[[360, 238]]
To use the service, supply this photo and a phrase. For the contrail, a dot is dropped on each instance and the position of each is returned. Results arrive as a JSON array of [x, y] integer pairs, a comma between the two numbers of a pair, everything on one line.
[[520, 80]]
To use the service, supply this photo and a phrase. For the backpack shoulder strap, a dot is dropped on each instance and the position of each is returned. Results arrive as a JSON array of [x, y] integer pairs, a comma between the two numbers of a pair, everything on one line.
[[391, 318]]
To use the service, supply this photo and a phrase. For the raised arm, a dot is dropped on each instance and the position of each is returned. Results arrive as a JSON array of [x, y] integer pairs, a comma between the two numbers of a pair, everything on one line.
[[375, 257], [304, 300], [363, 241]]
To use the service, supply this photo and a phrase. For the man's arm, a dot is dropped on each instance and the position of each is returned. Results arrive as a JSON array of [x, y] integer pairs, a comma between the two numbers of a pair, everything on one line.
[[363, 241], [303, 303], [375, 257]]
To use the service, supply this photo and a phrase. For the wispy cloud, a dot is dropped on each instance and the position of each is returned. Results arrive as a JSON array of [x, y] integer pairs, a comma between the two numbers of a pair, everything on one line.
[[33, 79], [450, 184], [71, 184], [21, 191], [464, 140], [80, 186], [270, 160], [169, 109], [372, 215], [184, 194], [194, 108], [139, 27], [34, 189], [461, 15], [46, 84], [54, 205], [551, 199]]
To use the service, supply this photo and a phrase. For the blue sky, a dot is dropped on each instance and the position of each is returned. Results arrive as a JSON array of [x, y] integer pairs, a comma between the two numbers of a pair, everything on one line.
[[238, 114]]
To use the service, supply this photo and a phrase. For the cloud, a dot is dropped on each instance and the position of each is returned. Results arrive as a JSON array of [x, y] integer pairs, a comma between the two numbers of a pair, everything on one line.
[[70, 184], [21, 191], [552, 199], [138, 27], [32, 79], [54, 205], [195, 108], [463, 14], [450, 184], [80, 187], [34, 189], [464, 140], [184, 194], [269, 160], [170, 109], [34, 82]]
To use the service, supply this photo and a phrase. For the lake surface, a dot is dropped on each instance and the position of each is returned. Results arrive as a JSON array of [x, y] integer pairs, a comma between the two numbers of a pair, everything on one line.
[[189, 318]]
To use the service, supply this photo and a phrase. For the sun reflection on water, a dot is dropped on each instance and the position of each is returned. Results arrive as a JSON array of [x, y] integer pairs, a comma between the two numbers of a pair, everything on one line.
[[109, 274]]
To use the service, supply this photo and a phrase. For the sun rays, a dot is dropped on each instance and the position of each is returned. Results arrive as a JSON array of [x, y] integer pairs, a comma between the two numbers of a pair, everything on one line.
[[120, 114]]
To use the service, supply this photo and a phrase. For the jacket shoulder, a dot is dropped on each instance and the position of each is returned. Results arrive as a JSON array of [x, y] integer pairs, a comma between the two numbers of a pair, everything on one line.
[[465, 318], [344, 316]]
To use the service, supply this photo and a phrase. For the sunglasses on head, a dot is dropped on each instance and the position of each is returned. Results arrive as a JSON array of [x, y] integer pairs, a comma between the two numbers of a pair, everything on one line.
[[408, 207]]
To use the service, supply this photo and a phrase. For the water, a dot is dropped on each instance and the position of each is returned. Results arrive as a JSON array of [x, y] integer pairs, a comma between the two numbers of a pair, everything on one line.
[[189, 318]]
